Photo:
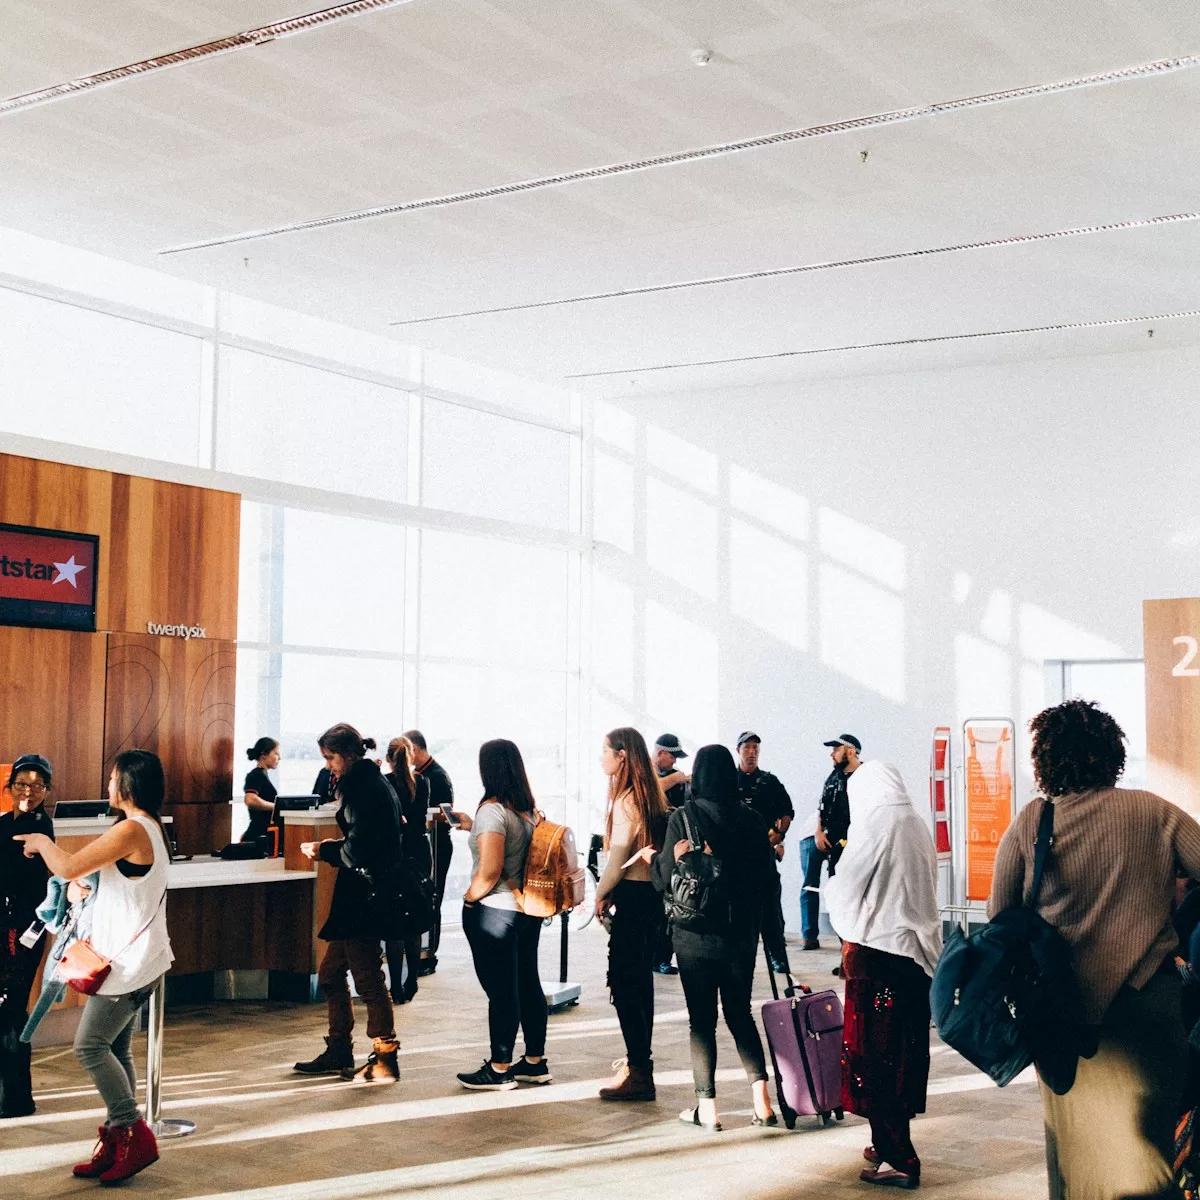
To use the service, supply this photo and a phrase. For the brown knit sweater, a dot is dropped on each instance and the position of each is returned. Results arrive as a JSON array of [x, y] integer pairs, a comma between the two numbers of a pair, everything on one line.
[[1109, 884]]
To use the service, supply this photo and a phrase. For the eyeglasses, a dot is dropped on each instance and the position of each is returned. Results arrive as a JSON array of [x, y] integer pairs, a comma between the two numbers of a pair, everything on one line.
[[27, 787]]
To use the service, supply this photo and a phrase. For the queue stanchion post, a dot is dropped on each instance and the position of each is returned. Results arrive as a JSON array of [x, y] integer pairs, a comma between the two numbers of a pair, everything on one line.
[[170, 1127]]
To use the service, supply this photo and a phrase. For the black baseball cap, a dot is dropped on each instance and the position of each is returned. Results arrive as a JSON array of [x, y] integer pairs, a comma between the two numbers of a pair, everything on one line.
[[34, 762], [670, 743], [748, 736], [846, 739]]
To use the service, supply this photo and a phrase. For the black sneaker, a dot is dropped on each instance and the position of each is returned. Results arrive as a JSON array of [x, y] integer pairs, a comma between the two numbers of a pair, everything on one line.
[[427, 966], [333, 1060], [527, 1072], [487, 1079]]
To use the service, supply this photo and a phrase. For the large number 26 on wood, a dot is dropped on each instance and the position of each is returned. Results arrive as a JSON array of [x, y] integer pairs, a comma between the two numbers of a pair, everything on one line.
[[1184, 666]]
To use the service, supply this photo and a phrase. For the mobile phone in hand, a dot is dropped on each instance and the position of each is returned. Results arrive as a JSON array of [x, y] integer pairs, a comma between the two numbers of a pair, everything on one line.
[[452, 817]]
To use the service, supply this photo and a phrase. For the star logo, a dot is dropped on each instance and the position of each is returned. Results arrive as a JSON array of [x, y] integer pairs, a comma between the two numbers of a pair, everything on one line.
[[68, 570]]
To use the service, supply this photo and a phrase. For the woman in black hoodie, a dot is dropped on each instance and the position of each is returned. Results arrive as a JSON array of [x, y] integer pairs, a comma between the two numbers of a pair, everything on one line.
[[721, 961], [364, 910]]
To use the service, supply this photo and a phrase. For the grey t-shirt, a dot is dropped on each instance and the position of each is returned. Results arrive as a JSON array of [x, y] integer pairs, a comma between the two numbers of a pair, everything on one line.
[[493, 817]]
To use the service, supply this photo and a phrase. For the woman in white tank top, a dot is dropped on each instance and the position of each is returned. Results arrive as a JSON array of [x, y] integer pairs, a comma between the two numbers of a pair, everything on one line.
[[129, 927]]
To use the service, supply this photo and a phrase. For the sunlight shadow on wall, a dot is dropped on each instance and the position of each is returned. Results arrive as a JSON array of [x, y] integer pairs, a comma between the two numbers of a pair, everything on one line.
[[779, 507], [863, 548], [612, 510], [681, 674], [612, 625], [983, 678], [768, 583], [682, 459], [681, 537], [862, 631], [1043, 636]]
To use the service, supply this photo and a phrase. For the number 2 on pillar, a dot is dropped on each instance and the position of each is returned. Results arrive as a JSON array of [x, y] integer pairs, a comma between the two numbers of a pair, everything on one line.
[[1184, 666]]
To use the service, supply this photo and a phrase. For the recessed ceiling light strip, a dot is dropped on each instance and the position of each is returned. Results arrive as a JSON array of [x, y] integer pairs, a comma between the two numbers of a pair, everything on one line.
[[916, 341], [1021, 239], [235, 41], [1123, 74]]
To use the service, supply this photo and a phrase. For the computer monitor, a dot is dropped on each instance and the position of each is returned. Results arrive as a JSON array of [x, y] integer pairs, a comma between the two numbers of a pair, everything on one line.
[[65, 809], [297, 803]]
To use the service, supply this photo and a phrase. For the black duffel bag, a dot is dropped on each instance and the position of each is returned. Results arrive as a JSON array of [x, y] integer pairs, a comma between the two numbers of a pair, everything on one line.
[[1007, 996], [400, 900]]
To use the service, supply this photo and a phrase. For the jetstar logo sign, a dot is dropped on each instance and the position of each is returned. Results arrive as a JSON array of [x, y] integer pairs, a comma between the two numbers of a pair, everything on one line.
[[47, 577]]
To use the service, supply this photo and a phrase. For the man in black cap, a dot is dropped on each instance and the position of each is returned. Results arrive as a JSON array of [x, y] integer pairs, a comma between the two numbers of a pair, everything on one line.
[[833, 826], [667, 753], [763, 792]]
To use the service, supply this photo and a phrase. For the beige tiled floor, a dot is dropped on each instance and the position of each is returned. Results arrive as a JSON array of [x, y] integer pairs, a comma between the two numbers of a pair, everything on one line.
[[264, 1132]]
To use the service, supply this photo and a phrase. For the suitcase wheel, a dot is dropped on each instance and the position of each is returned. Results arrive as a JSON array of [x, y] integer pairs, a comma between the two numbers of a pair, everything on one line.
[[840, 1113]]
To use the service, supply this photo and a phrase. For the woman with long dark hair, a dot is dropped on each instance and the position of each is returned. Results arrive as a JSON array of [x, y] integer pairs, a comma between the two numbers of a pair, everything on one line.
[[364, 911], [22, 889], [404, 955], [258, 789], [635, 820], [503, 940], [720, 962], [1108, 888], [129, 927]]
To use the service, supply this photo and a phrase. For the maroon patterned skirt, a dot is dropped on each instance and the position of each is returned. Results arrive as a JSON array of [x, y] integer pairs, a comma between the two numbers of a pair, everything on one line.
[[885, 1055]]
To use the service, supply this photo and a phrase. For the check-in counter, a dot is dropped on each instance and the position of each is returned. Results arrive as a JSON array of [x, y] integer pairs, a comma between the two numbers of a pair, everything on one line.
[[239, 930]]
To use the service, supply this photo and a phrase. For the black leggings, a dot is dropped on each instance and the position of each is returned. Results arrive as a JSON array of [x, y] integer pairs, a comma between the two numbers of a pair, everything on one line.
[[504, 946], [632, 951], [731, 976]]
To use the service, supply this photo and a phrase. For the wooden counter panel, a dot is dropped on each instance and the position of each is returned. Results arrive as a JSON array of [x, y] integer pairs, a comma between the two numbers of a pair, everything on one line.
[[242, 927], [52, 703], [175, 697], [174, 556]]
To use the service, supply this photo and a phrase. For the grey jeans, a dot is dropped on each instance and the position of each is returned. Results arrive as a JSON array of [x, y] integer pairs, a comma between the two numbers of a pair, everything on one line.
[[104, 1048]]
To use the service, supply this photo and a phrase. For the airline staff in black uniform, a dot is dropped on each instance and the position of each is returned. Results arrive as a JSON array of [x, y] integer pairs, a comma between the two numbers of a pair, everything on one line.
[[763, 792], [259, 791], [22, 888]]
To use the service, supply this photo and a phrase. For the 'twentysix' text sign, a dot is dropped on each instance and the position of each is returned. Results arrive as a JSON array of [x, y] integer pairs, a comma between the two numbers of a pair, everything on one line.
[[182, 631], [48, 578]]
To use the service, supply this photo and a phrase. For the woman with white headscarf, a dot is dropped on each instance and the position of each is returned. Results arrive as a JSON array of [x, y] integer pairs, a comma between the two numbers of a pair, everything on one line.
[[883, 904]]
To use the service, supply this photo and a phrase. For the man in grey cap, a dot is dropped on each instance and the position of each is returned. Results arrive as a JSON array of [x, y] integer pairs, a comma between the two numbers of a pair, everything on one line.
[[833, 826], [764, 793]]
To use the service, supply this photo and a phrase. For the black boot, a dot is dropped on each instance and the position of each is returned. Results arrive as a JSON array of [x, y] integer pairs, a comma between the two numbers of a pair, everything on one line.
[[337, 1057], [16, 1087]]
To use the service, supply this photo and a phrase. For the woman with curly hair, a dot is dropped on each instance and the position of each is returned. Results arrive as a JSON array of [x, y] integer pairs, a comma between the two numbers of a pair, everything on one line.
[[1108, 889]]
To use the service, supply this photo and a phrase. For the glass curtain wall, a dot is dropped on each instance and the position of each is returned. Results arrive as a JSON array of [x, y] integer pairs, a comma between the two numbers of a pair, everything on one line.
[[411, 543]]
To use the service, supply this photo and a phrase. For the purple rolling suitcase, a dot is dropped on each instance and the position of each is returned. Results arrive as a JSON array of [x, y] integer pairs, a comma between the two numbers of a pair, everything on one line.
[[804, 1034]]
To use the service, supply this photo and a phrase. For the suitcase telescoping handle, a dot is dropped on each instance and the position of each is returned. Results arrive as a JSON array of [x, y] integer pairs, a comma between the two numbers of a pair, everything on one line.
[[793, 988]]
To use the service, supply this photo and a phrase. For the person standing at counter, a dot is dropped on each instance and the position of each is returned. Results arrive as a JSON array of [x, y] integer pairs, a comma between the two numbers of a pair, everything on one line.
[[367, 857], [129, 928], [441, 791], [412, 790], [259, 790], [22, 889]]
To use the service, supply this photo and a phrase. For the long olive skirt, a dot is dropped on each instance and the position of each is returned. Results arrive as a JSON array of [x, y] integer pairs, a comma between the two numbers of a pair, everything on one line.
[[1111, 1136]]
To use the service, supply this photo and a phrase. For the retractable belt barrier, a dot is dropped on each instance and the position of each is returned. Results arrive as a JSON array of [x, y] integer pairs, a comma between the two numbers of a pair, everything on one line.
[[171, 1127]]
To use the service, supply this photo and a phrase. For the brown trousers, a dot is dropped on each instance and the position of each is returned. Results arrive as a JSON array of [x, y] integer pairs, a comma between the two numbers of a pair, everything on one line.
[[1111, 1137], [363, 960]]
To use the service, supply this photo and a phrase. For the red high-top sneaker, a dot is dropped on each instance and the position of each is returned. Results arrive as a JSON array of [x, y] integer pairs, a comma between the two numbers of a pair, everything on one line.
[[136, 1149], [104, 1154]]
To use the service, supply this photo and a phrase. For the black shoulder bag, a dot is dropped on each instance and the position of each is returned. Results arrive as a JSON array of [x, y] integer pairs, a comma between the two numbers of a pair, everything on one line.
[[1007, 995]]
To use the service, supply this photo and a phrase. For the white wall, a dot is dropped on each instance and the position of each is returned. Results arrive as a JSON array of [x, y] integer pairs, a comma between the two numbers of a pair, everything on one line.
[[883, 554]]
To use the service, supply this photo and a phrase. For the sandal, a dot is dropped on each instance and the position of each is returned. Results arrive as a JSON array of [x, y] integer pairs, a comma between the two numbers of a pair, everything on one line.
[[770, 1122], [889, 1177], [691, 1116]]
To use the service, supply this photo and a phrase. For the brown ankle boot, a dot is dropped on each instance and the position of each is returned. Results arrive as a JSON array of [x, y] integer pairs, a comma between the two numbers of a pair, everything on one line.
[[630, 1083], [382, 1066]]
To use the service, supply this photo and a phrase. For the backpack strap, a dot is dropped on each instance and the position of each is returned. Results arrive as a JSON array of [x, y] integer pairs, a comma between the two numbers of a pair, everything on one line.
[[1042, 842], [693, 842]]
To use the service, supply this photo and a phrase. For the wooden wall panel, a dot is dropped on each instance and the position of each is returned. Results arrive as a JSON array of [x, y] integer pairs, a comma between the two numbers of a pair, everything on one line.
[[56, 496], [1171, 633], [52, 703], [174, 557], [176, 698]]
